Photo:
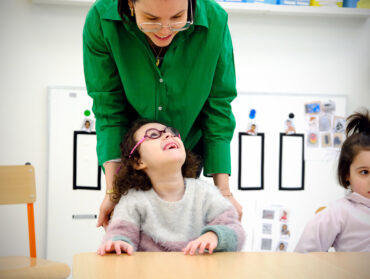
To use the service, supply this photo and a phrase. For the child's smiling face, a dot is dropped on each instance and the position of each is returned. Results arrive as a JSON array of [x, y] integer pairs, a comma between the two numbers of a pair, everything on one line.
[[159, 152], [359, 174]]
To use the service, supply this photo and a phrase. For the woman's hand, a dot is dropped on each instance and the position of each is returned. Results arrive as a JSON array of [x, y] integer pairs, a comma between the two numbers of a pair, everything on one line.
[[118, 246], [208, 240], [105, 210], [236, 204], [221, 180], [107, 206]]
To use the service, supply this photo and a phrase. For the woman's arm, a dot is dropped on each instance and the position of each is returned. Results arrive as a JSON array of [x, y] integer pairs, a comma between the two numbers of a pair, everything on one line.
[[123, 232], [222, 219], [104, 86], [221, 180], [219, 122], [107, 204]]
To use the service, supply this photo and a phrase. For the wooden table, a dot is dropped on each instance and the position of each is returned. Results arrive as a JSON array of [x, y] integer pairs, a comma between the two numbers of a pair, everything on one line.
[[27, 268], [172, 265]]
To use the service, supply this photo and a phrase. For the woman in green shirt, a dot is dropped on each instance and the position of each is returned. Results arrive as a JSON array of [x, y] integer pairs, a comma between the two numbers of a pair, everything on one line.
[[165, 60]]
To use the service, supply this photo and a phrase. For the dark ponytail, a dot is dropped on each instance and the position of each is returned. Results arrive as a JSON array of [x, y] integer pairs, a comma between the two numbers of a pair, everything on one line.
[[358, 139], [124, 10], [358, 123]]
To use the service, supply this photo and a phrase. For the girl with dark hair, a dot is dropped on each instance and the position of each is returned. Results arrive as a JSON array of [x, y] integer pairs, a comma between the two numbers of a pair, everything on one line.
[[162, 207], [168, 60], [345, 225]]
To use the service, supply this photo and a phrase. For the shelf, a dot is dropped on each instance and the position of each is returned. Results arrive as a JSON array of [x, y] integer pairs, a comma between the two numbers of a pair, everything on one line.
[[260, 8], [257, 8], [65, 2]]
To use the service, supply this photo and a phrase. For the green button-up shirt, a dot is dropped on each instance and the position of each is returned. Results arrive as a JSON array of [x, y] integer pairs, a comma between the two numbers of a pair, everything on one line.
[[192, 90]]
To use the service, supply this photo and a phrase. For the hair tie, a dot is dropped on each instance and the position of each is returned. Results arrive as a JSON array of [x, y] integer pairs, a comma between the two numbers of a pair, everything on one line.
[[118, 169]]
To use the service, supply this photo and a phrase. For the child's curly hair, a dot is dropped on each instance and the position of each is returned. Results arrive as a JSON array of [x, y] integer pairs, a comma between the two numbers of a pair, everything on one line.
[[128, 177], [358, 139]]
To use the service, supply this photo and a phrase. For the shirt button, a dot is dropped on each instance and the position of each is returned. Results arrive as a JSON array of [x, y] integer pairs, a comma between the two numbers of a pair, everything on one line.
[[159, 108], [161, 80]]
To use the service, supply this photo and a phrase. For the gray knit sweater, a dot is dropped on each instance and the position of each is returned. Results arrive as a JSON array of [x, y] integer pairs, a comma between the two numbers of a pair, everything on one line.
[[150, 223]]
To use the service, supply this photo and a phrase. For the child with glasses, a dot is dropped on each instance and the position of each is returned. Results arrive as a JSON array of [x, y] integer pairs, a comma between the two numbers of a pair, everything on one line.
[[162, 207], [345, 224]]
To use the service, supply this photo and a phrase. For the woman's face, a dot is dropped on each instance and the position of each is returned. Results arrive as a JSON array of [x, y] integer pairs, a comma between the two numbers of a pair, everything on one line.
[[160, 11], [359, 174]]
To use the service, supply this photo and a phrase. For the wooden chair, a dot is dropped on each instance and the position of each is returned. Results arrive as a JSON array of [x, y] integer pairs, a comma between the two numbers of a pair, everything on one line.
[[17, 186]]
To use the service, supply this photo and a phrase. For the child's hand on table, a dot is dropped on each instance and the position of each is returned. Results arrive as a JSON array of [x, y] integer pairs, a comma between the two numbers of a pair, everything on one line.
[[118, 246], [209, 241]]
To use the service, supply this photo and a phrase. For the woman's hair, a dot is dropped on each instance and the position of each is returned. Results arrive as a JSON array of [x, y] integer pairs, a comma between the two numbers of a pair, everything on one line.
[[358, 139], [124, 9], [128, 177]]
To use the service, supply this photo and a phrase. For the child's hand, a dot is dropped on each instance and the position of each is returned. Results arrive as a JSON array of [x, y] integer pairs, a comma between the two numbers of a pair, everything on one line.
[[208, 240], [118, 246]]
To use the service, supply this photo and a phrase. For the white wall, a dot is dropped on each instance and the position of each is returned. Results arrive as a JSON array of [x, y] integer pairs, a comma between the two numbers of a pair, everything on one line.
[[41, 45], [298, 55]]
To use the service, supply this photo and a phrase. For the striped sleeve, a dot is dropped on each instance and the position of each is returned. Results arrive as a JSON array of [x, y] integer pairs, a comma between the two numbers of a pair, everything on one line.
[[222, 219], [125, 223]]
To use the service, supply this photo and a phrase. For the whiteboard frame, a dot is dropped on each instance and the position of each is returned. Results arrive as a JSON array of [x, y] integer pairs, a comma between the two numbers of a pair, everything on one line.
[[261, 186], [299, 187], [75, 153]]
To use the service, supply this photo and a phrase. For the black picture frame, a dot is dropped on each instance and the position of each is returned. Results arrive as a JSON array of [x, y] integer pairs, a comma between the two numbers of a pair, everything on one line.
[[76, 135], [240, 164], [300, 153]]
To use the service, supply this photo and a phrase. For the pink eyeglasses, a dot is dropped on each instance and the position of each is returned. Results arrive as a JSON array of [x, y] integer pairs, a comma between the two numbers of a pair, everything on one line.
[[154, 133]]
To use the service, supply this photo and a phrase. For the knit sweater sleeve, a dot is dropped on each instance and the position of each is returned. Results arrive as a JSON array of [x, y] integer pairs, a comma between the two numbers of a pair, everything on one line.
[[221, 218], [125, 222]]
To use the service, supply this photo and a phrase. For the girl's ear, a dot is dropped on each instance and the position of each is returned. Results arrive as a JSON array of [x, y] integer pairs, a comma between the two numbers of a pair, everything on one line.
[[348, 181], [139, 165]]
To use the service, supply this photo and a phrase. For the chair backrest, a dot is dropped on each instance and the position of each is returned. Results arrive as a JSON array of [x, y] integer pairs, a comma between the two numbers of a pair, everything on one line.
[[17, 186]]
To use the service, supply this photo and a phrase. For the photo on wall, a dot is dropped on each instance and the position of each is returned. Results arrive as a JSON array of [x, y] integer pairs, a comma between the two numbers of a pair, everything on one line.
[[338, 139], [266, 228], [266, 244], [313, 107], [339, 124], [282, 246], [326, 140], [271, 228]]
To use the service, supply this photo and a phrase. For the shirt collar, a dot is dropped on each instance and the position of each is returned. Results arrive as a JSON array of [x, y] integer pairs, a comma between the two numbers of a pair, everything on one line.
[[200, 16], [357, 198], [111, 11]]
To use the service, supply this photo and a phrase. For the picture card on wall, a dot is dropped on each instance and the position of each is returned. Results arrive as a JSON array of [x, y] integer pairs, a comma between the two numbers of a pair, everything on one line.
[[271, 227]]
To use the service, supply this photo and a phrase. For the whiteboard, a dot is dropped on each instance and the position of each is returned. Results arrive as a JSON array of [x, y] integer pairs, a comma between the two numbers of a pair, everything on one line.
[[71, 213], [272, 110], [320, 186]]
